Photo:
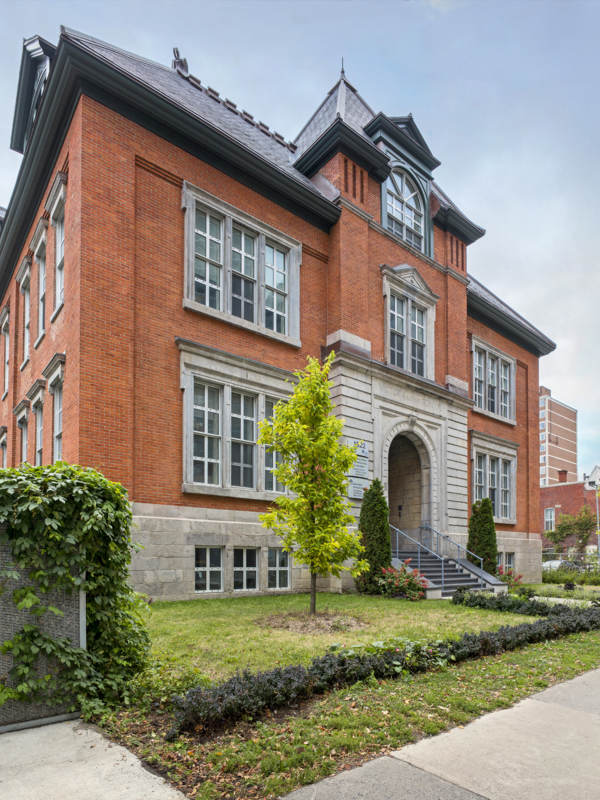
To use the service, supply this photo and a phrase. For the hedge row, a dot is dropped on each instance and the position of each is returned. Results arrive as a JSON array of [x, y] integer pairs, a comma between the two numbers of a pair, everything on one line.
[[248, 695]]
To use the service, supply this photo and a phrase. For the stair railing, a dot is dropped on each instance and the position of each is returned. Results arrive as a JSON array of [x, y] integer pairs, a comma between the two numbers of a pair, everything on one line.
[[441, 539], [397, 535]]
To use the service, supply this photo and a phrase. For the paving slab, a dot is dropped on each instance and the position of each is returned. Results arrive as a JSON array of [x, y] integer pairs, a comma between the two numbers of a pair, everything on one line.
[[545, 747], [73, 761], [384, 779]]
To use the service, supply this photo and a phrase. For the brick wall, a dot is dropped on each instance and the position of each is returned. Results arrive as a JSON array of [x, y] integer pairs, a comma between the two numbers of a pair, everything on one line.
[[524, 434], [566, 498]]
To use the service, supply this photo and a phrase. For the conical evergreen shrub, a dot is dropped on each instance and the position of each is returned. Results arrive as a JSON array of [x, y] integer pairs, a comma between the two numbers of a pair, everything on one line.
[[482, 535], [374, 524]]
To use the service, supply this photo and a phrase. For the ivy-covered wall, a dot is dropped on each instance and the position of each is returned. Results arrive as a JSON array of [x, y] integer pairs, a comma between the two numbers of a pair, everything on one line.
[[72, 625]]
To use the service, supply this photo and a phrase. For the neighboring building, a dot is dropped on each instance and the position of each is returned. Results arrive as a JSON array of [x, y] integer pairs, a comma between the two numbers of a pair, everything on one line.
[[568, 498], [558, 440], [167, 262]]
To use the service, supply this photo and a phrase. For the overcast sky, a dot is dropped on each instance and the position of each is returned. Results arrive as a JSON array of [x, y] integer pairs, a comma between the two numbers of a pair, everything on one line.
[[504, 92]]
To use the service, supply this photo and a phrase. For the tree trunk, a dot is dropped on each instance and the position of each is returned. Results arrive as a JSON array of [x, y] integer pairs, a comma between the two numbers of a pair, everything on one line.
[[313, 592]]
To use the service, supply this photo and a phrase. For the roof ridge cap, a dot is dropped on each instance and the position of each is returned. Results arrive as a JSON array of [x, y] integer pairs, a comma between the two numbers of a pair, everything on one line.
[[194, 81]]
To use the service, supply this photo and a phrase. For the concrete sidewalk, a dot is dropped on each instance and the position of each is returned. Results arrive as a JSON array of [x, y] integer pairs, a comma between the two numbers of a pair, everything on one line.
[[73, 761], [545, 748]]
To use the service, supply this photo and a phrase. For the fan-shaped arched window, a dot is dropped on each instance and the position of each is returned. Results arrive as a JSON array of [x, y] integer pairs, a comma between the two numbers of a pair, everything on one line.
[[404, 209]]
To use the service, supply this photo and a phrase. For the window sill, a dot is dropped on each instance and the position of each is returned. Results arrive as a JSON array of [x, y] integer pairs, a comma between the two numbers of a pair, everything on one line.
[[233, 491], [491, 415], [38, 340], [24, 364], [56, 312], [192, 305], [502, 521]]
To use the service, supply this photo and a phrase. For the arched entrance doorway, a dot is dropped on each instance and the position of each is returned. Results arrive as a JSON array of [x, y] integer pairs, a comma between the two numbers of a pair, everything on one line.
[[409, 484]]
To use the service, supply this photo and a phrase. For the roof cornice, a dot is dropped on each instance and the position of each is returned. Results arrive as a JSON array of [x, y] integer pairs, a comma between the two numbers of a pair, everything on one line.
[[381, 122], [457, 223], [534, 341], [340, 136]]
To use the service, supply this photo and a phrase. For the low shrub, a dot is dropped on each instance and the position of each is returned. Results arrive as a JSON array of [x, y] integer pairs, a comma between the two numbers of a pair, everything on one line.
[[589, 578], [248, 695], [403, 582], [505, 602]]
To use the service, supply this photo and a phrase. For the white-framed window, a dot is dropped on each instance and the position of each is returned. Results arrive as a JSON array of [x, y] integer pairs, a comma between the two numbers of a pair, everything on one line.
[[499, 559], [24, 282], [278, 568], [404, 207], [206, 433], [59, 257], [41, 262], [38, 415], [542, 413], [224, 398], [542, 426], [6, 346], [272, 457], [240, 269], [245, 569], [23, 426], [26, 319], [407, 334], [509, 561], [410, 321], [549, 519], [243, 439], [493, 381], [495, 474], [57, 427], [208, 569], [494, 479], [55, 206]]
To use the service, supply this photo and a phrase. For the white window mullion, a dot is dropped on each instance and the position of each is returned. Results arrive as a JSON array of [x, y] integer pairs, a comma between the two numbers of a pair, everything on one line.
[[226, 457], [260, 280], [226, 304], [260, 455]]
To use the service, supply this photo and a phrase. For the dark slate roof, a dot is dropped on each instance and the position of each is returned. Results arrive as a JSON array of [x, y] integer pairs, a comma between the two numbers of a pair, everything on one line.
[[342, 101], [2, 216], [199, 100], [482, 300]]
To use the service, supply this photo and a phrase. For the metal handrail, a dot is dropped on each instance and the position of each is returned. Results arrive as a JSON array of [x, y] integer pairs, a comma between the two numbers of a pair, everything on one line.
[[420, 546], [453, 543]]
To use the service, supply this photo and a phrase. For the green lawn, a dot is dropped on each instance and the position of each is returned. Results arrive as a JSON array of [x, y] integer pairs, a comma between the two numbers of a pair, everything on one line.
[[345, 728], [217, 637]]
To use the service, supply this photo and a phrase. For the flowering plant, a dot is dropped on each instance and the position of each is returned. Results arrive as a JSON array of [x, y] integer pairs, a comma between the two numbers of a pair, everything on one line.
[[509, 576], [403, 582]]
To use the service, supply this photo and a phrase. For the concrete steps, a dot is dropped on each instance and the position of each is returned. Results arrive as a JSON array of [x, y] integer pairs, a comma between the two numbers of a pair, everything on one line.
[[431, 567]]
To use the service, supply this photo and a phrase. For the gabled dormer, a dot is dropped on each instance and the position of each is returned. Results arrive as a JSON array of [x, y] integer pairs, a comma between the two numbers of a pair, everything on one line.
[[35, 67]]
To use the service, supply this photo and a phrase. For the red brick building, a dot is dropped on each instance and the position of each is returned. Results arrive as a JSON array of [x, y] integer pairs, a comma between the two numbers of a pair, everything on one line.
[[568, 498], [167, 261]]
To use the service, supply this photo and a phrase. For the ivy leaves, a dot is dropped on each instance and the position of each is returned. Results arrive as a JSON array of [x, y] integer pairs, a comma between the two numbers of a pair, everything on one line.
[[68, 529]]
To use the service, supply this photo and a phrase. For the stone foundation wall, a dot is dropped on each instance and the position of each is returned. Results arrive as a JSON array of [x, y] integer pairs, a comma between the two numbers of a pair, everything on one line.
[[165, 567]]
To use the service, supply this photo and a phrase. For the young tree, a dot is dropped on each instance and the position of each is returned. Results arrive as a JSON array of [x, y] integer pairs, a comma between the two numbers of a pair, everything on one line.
[[313, 519], [482, 534], [374, 525]]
